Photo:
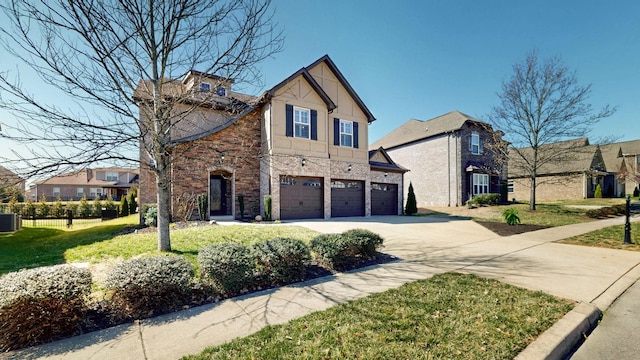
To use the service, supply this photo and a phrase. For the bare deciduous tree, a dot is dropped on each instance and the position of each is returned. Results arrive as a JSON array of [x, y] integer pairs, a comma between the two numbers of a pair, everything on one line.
[[542, 104], [100, 52]]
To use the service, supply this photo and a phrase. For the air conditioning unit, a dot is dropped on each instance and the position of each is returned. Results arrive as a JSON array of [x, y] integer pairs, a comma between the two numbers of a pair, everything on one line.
[[10, 223]]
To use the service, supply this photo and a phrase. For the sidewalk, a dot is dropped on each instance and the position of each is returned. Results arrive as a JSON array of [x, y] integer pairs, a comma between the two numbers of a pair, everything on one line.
[[426, 245]]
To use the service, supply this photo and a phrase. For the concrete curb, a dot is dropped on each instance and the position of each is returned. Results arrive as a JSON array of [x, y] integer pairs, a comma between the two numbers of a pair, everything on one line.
[[566, 335], [562, 338]]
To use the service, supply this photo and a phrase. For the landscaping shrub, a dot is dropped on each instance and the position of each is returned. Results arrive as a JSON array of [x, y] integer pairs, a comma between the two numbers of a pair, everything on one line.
[[42, 305], [267, 207], [96, 210], [636, 192], [151, 216], [43, 210], [511, 217], [133, 204], [365, 241], [281, 260], [598, 192], [330, 250], [124, 207], [109, 204], [411, 207], [203, 206], [84, 208], [228, 266], [486, 199], [148, 286]]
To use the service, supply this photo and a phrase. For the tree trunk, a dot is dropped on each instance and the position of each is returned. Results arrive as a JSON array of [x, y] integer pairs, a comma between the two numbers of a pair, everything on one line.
[[532, 197], [164, 205]]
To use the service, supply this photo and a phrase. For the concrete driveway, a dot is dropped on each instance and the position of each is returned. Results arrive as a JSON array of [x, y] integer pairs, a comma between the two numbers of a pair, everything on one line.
[[529, 260]]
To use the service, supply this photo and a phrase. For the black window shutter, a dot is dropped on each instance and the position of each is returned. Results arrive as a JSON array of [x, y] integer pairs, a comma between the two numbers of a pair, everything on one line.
[[355, 134], [289, 130], [336, 131], [314, 125]]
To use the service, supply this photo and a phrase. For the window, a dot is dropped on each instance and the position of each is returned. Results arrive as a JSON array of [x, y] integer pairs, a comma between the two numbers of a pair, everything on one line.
[[56, 191], [510, 186], [221, 91], [346, 133], [80, 192], [480, 184], [474, 145], [205, 87], [111, 176], [93, 192], [301, 122]]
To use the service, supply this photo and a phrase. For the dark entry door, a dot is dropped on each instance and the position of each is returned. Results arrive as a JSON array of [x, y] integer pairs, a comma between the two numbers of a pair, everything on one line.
[[217, 195]]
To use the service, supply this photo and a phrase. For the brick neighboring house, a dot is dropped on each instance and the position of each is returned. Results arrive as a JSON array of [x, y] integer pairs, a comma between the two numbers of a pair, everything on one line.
[[9, 179], [449, 158], [575, 177], [87, 183], [303, 142]]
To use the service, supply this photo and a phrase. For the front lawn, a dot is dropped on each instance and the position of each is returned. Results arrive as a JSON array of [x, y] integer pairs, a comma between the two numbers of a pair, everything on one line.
[[448, 316], [610, 237], [34, 247]]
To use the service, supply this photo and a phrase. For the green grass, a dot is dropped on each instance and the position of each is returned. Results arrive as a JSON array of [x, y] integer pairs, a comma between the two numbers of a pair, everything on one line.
[[589, 201], [33, 247], [545, 214], [446, 317], [185, 242], [610, 237]]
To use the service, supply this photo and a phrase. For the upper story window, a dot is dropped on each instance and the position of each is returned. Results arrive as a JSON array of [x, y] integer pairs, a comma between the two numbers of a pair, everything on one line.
[[221, 91], [111, 176], [475, 144], [346, 133], [205, 87], [301, 122]]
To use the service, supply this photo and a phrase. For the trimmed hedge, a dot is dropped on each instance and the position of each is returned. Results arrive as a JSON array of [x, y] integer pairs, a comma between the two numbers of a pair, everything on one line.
[[148, 286], [42, 305], [338, 251], [281, 260], [486, 199], [227, 266]]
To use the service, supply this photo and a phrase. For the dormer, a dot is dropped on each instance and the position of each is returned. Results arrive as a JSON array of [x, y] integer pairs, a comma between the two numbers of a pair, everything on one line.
[[207, 83]]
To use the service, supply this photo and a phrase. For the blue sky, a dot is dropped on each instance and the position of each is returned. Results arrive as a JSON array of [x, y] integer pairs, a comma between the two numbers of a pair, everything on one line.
[[421, 59]]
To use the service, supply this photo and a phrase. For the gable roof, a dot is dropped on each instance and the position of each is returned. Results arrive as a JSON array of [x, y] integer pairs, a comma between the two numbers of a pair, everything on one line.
[[415, 130], [614, 153], [87, 177], [9, 177], [318, 89], [387, 165], [580, 157]]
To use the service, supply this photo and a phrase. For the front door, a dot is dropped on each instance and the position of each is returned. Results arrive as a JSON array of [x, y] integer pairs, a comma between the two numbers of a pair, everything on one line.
[[217, 195]]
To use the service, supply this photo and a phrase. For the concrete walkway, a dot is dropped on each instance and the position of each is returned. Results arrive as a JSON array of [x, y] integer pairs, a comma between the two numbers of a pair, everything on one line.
[[426, 245]]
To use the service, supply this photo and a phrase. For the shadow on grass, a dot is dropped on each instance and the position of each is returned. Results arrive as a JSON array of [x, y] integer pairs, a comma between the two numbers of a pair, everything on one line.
[[34, 247]]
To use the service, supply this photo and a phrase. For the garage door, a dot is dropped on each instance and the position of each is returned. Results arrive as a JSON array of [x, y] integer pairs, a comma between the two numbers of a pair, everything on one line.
[[301, 198], [347, 198], [384, 199]]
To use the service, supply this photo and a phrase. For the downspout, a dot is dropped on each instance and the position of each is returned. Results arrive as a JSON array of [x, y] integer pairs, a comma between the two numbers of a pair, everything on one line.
[[449, 168], [458, 182]]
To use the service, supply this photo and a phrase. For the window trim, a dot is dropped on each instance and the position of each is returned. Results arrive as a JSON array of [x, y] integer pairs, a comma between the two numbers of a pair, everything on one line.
[[344, 133], [478, 145], [482, 183], [107, 173], [221, 91], [296, 111], [204, 87], [55, 191], [510, 186], [79, 192]]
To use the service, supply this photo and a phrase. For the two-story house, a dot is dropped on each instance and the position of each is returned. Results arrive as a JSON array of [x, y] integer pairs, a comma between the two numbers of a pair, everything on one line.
[[451, 158], [88, 183], [10, 184], [303, 142]]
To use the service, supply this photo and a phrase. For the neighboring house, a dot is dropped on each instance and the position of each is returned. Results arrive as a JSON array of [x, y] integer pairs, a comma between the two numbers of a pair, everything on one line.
[[611, 166], [622, 160], [574, 177], [88, 183], [9, 181], [451, 158], [303, 142]]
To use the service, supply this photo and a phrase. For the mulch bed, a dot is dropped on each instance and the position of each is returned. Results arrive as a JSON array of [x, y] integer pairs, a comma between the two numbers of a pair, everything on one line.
[[504, 229]]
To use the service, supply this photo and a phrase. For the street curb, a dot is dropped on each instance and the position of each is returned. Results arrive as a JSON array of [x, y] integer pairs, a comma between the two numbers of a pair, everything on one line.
[[561, 339]]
